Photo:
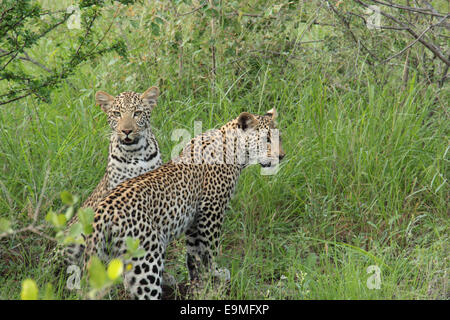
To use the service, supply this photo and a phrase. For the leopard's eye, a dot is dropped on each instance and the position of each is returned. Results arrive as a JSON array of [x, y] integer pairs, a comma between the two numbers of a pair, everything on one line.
[[137, 113], [117, 113]]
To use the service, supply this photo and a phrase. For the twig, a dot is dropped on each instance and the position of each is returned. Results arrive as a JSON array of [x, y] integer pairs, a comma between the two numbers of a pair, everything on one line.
[[27, 58], [444, 76], [16, 98], [430, 6], [300, 37], [429, 46], [107, 30], [347, 25], [195, 10], [412, 9], [4, 13], [381, 27], [88, 30], [30, 228], [40, 36], [416, 40], [174, 6], [255, 15]]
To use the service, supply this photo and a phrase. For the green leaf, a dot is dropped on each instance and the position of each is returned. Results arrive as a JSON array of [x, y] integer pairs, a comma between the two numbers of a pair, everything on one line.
[[76, 230], [69, 213], [86, 216], [87, 229], [59, 236], [5, 225], [74, 235], [133, 248], [29, 290], [132, 244], [115, 269], [61, 220], [48, 294], [57, 220], [138, 253], [67, 198], [67, 240], [97, 273], [49, 216]]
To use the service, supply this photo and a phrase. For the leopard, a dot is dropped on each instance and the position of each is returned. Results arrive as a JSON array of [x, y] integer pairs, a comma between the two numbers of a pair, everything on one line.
[[133, 150], [187, 195]]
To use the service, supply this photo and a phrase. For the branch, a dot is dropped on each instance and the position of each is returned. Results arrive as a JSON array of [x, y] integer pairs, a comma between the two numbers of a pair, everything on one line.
[[88, 30], [16, 98], [255, 15], [31, 228], [415, 41], [38, 37], [412, 9], [430, 6], [27, 58], [107, 30], [381, 27], [300, 37], [444, 76], [430, 46], [347, 25], [189, 12]]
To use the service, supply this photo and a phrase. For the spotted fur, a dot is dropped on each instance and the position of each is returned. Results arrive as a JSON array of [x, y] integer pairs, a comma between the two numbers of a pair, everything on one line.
[[189, 194], [133, 149]]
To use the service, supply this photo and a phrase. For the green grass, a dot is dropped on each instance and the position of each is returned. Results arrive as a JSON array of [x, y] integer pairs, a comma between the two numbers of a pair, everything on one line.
[[364, 182]]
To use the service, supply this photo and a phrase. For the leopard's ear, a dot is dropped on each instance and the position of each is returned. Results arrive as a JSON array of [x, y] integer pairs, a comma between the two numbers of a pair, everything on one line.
[[150, 96], [272, 113], [246, 121], [104, 99]]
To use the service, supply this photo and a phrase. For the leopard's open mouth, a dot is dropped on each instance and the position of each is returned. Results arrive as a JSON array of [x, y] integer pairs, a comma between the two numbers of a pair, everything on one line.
[[271, 162], [129, 141]]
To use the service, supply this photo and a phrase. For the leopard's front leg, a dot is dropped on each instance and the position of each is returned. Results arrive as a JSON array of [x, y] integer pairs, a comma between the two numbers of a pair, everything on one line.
[[202, 242]]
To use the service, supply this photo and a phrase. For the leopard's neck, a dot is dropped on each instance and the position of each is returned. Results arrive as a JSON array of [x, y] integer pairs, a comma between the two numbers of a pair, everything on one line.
[[129, 161]]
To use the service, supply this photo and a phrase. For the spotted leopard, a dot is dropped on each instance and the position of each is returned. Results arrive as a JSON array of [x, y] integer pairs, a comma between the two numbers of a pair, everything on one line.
[[189, 195], [133, 149]]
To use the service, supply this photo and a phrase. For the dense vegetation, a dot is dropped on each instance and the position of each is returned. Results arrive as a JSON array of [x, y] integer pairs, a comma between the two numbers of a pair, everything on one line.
[[363, 115]]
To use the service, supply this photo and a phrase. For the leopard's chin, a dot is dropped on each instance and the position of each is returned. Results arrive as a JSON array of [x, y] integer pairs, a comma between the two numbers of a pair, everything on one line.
[[271, 162], [266, 165], [128, 141]]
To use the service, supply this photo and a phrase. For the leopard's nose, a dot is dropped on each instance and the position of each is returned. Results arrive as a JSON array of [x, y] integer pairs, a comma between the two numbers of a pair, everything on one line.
[[127, 132]]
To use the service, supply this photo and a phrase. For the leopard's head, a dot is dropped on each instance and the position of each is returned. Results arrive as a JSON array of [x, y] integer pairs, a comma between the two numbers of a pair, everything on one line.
[[128, 113], [262, 140]]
